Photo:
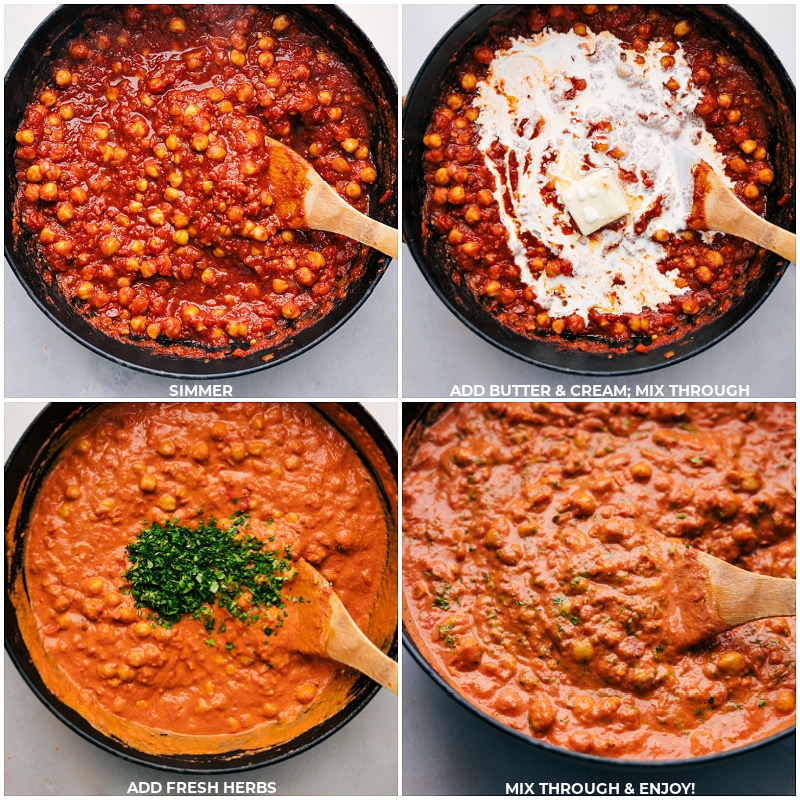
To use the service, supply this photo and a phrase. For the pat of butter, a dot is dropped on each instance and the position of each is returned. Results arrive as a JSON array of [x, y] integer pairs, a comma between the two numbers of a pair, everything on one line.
[[595, 201]]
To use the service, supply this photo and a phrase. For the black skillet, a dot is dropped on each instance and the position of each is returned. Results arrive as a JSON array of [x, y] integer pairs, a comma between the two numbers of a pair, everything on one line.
[[27, 466], [429, 253], [31, 68]]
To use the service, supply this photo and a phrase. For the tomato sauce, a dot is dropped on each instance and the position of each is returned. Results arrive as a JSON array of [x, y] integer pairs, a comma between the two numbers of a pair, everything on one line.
[[462, 212], [141, 168], [548, 561], [125, 467]]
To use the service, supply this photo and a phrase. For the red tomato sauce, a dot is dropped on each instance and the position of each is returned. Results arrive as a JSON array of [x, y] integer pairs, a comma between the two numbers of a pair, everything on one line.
[[461, 212], [124, 467], [141, 169], [545, 549]]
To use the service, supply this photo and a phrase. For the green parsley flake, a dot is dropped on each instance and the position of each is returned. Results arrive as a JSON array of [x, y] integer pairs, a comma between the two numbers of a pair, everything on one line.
[[177, 570]]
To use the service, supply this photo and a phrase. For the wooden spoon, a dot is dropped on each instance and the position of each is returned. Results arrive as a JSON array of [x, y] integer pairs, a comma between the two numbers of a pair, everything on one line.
[[720, 210], [303, 200], [713, 596], [326, 629]]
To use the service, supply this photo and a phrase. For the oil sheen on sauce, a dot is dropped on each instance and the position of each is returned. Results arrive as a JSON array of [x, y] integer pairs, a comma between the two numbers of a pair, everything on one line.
[[543, 548]]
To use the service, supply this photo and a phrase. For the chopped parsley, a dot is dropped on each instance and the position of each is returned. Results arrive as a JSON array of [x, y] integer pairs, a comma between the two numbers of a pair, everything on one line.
[[177, 570]]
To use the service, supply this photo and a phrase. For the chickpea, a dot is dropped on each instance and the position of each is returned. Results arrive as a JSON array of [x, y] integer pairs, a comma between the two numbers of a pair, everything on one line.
[[25, 136], [166, 448], [306, 693], [682, 28], [690, 306], [785, 701], [216, 152], [109, 245], [751, 191], [492, 288], [750, 483], [148, 482], [65, 212], [34, 173], [353, 190], [641, 471], [281, 23], [238, 451], [72, 492], [78, 195], [704, 275], [432, 141], [456, 195], [142, 629], [541, 712], [748, 146], [468, 82], [177, 25], [732, 663], [765, 175], [200, 452], [738, 164], [181, 237], [661, 236], [167, 502], [156, 216], [290, 310], [85, 290], [199, 142], [49, 191]]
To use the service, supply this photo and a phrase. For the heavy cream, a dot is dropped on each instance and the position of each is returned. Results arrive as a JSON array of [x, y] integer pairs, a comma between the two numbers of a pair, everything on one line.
[[563, 105]]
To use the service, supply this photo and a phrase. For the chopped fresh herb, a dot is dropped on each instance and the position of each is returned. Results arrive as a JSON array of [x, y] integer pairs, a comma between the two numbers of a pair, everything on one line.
[[762, 703], [177, 570], [696, 460]]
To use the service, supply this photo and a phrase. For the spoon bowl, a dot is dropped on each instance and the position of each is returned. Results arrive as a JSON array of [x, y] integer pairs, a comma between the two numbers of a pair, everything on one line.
[[301, 199], [325, 628]]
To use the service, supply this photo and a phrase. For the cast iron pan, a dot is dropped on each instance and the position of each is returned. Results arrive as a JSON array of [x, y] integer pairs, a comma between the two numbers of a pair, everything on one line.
[[26, 467], [429, 253], [343, 36], [417, 417]]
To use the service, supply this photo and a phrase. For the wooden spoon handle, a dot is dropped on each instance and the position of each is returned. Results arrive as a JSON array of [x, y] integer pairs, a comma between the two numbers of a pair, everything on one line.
[[324, 209], [724, 212], [348, 644], [763, 597], [744, 596], [755, 229], [366, 230]]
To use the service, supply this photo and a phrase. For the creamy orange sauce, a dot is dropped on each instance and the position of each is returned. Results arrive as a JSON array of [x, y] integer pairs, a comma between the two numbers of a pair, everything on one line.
[[302, 484], [548, 577]]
